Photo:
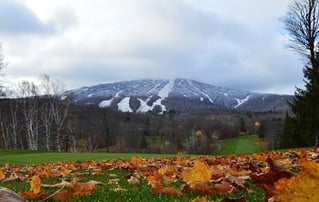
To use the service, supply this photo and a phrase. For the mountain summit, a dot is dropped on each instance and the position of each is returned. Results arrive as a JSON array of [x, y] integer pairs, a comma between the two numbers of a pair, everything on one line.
[[181, 95]]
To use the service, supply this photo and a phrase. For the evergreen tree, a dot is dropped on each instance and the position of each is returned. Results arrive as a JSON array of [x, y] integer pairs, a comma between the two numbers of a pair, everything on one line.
[[302, 23]]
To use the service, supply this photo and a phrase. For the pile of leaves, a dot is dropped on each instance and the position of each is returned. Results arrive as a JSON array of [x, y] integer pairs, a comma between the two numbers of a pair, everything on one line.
[[284, 176]]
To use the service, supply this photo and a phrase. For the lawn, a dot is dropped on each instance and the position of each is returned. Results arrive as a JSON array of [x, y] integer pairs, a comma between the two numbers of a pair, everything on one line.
[[107, 192], [241, 144], [36, 157]]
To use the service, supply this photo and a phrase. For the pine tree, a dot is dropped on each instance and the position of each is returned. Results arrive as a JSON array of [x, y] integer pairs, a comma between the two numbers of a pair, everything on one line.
[[305, 106], [302, 128]]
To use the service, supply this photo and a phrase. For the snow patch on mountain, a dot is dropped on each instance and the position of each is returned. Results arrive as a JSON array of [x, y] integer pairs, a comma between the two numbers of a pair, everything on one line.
[[201, 91], [124, 105], [105, 103], [166, 90], [144, 107], [241, 101]]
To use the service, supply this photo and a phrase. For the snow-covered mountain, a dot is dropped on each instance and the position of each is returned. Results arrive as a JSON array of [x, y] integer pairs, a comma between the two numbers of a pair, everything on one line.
[[181, 95]]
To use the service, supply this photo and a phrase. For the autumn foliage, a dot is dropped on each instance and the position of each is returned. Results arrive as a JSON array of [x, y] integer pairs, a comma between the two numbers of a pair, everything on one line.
[[285, 176]]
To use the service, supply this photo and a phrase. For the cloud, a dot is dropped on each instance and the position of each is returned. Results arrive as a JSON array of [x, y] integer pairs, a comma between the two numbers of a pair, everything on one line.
[[229, 43], [16, 18]]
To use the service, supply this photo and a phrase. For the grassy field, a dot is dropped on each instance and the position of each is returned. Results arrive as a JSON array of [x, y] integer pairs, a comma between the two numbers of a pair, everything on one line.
[[242, 144], [37, 157], [139, 192]]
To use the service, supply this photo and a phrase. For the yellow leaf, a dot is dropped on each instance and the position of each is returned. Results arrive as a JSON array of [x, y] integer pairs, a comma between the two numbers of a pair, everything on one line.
[[300, 188], [162, 171], [200, 172], [64, 171], [35, 184]]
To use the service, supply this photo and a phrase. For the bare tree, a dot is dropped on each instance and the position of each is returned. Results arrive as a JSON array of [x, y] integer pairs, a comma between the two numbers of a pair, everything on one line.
[[302, 24], [106, 123], [54, 111], [30, 110]]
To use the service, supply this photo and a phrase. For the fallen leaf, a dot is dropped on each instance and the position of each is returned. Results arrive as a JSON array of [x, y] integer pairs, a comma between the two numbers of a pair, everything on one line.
[[223, 187], [301, 188], [168, 190], [79, 188], [197, 187], [35, 184], [200, 172], [64, 195]]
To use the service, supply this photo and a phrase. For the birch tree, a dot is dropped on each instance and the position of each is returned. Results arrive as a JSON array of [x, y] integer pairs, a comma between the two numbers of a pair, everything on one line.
[[30, 109]]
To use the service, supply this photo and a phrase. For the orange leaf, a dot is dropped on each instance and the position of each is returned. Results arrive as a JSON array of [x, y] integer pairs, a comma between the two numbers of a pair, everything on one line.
[[223, 187], [165, 190], [63, 195], [32, 195], [197, 187], [303, 187], [200, 172], [82, 189], [2, 175]]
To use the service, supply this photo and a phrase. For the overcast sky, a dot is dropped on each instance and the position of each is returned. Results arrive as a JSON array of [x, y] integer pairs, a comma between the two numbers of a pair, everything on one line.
[[233, 43]]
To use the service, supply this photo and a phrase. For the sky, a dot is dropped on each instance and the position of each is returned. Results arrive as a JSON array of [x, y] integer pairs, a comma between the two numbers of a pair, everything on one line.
[[239, 44]]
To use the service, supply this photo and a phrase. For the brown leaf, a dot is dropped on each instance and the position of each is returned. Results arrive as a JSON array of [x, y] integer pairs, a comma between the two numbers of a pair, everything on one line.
[[63, 195], [168, 190], [197, 187], [267, 180], [78, 188], [223, 187], [275, 173], [235, 181]]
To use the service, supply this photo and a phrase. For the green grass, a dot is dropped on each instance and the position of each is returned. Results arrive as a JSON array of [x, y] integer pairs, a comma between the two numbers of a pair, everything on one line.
[[140, 192], [24, 157], [241, 144]]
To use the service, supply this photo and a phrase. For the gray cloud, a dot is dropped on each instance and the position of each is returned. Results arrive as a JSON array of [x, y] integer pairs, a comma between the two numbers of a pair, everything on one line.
[[238, 45]]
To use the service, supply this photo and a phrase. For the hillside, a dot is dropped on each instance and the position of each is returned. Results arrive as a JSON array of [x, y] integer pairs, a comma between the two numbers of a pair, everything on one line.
[[180, 95]]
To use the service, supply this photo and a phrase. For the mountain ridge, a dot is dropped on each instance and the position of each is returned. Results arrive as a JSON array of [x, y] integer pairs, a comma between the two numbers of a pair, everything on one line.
[[182, 95]]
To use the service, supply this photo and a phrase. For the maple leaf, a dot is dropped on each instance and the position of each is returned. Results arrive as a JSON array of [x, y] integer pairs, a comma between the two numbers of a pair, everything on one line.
[[300, 188], [200, 172], [158, 188], [79, 188], [275, 173]]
